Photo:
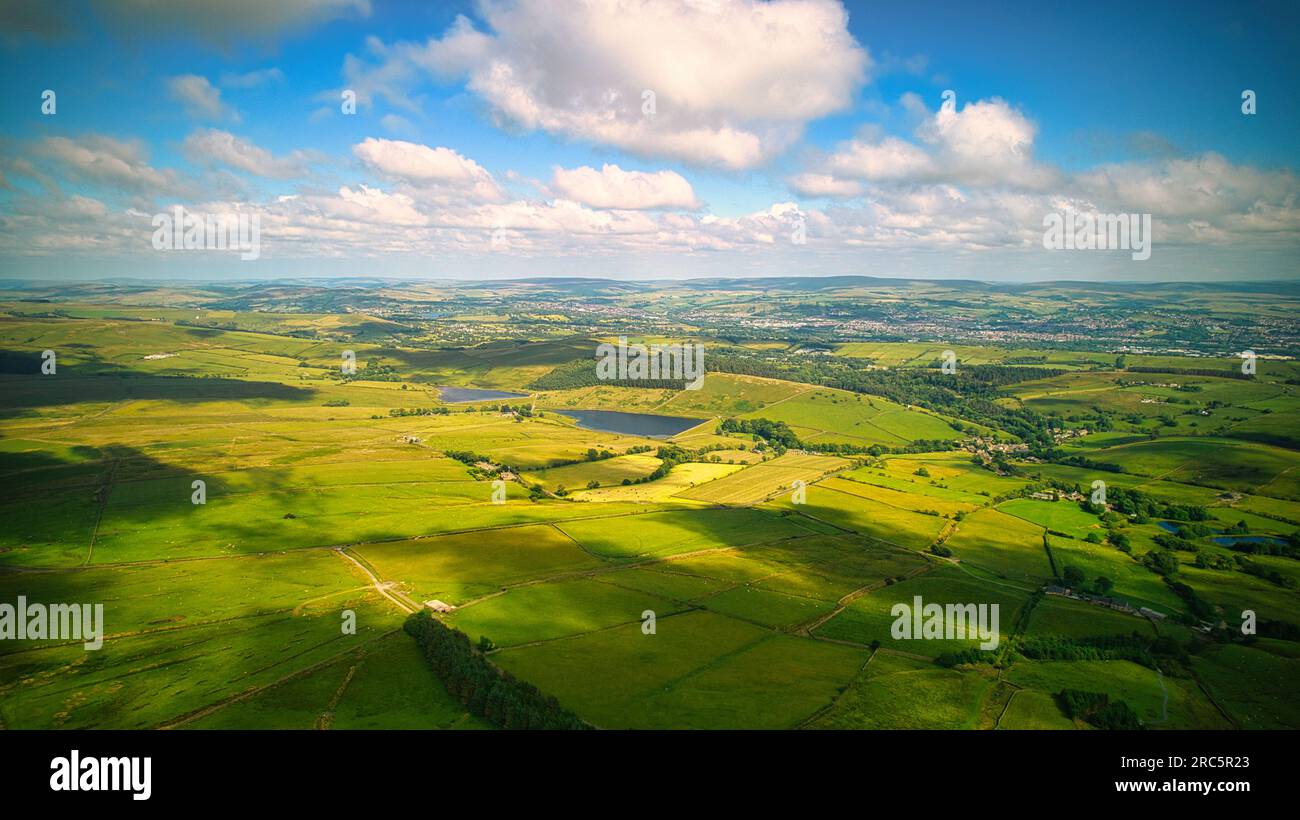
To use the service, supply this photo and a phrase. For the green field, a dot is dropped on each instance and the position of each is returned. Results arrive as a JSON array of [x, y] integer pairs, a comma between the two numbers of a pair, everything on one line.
[[870, 618], [766, 479], [328, 497], [825, 416]]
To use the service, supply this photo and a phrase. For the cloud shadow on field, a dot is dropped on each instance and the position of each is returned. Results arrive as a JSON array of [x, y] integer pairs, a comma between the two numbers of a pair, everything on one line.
[[94, 380]]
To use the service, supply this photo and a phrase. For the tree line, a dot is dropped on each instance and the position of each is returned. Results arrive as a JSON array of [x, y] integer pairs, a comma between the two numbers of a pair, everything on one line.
[[480, 686]]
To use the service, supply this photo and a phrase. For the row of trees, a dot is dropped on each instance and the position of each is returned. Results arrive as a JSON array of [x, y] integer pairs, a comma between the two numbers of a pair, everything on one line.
[[1098, 709], [1145, 507], [582, 373], [1101, 648], [971, 393], [481, 687], [1192, 371], [777, 433]]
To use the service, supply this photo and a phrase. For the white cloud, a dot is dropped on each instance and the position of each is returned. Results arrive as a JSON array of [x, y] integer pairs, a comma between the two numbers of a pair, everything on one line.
[[213, 146], [87, 207], [936, 216], [983, 143], [824, 185], [887, 160], [440, 172], [734, 81], [390, 78], [971, 180], [434, 200], [73, 225], [371, 206], [1203, 199], [95, 158], [1206, 186], [612, 187], [201, 98]]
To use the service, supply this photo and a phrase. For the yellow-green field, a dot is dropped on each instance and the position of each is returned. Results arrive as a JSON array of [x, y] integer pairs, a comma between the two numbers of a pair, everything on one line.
[[234, 501]]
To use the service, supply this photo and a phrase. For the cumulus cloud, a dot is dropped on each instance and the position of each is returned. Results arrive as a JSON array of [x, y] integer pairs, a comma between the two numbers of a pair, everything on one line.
[[389, 77], [76, 224], [935, 216], [890, 159], [201, 98], [733, 81], [428, 200], [370, 220], [824, 185], [122, 164], [612, 187], [983, 143], [437, 171], [1202, 199], [1198, 201], [1207, 185], [370, 206], [969, 179], [212, 146]]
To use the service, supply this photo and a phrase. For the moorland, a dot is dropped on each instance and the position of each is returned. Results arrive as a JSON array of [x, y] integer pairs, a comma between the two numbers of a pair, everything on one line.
[[837, 469]]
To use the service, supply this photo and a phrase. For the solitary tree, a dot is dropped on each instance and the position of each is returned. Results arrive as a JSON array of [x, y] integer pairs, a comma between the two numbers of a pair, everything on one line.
[[1072, 576]]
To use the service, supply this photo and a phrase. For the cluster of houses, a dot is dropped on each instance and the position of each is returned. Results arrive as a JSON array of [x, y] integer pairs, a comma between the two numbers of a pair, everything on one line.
[[1058, 495], [1101, 600], [984, 447], [1059, 434], [988, 444]]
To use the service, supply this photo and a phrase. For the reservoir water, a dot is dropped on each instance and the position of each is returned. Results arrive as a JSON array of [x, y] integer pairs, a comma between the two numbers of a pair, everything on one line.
[[1229, 540], [631, 424]]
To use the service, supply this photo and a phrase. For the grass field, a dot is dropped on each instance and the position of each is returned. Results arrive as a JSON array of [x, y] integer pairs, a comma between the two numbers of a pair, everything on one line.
[[605, 472], [823, 416], [1076, 619], [898, 692], [766, 479], [670, 533], [681, 478], [1008, 547], [1141, 688], [326, 495], [1034, 710], [870, 617], [1212, 462], [1057, 516]]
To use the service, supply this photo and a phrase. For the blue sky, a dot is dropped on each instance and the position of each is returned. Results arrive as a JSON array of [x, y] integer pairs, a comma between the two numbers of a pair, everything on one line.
[[509, 138]]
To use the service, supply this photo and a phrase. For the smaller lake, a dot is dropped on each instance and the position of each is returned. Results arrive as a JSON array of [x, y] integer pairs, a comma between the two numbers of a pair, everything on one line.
[[1229, 540], [631, 424], [453, 395]]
